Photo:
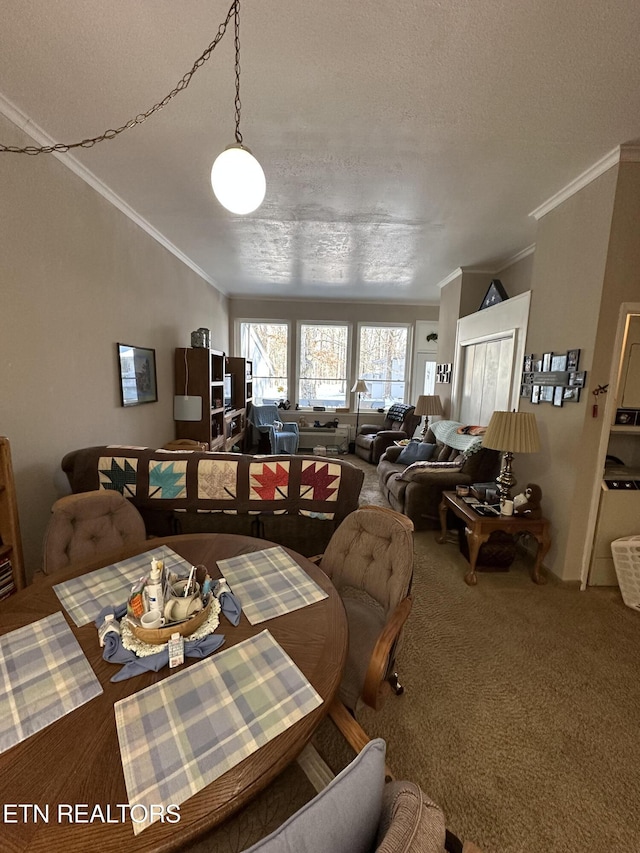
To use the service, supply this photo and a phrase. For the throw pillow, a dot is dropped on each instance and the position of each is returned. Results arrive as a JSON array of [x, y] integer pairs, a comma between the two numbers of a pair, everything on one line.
[[416, 451], [343, 817]]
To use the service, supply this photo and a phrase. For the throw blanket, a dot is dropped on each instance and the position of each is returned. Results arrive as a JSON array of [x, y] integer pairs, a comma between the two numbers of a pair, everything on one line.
[[398, 411], [447, 433]]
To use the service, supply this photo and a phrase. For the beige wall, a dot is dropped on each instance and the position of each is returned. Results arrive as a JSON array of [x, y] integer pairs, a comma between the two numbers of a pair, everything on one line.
[[621, 284], [517, 277], [352, 312], [77, 276], [567, 287], [474, 289], [450, 296]]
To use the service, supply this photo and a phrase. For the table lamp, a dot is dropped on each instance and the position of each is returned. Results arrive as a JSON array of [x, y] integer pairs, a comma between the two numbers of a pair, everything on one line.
[[511, 432], [428, 404], [360, 388]]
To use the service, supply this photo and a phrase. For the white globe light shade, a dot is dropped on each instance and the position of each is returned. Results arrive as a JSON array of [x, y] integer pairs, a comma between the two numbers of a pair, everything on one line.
[[238, 180]]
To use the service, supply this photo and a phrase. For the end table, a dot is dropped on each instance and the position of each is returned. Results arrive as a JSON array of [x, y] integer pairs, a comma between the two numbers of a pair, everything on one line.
[[478, 528]]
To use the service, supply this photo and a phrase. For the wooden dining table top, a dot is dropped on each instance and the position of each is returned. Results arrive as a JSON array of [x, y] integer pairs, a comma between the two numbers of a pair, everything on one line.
[[75, 761]]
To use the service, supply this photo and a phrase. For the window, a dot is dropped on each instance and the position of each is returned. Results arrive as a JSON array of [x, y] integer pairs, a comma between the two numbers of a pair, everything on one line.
[[323, 367], [265, 344], [382, 363]]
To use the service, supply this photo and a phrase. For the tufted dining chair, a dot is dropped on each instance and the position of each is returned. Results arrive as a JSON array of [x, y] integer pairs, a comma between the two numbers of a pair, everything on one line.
[[358, 810], [88, 525], [369, 559]]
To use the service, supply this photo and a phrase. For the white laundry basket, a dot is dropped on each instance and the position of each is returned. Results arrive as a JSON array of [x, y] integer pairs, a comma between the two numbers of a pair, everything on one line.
[[626, 559]]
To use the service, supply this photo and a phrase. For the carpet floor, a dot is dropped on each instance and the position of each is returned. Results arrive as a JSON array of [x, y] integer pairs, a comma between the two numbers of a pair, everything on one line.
[[521, 714]]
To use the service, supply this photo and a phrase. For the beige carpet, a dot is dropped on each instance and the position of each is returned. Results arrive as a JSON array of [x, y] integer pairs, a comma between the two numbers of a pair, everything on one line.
[[521, 715]]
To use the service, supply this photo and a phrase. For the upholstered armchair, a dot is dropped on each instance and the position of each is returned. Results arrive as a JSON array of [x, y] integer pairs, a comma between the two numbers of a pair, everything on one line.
[[372, 440], [88, 525], [282, 437]]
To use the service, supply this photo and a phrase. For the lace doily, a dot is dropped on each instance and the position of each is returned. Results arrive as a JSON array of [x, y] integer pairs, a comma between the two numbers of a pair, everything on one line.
[[143, 650]]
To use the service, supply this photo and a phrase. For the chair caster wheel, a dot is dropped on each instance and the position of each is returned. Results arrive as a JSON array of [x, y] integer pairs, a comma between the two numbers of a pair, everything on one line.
[[397, 688]]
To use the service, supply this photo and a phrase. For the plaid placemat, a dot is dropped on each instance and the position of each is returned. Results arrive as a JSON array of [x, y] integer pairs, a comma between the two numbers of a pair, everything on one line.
[[180, 734], [84, 597], [269, 583], [43, 676]]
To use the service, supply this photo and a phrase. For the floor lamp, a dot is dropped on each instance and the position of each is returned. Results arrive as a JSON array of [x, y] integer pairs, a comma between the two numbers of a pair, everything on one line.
[[359, 388], [428, 404]]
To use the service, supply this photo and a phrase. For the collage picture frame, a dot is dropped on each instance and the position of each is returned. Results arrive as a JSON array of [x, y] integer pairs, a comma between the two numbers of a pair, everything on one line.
[[536, 390]]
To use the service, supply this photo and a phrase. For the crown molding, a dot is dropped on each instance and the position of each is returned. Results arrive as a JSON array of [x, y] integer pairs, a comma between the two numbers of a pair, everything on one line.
[[41, 137], [630, 153], [621, 154], [519, 256], [452, 275]]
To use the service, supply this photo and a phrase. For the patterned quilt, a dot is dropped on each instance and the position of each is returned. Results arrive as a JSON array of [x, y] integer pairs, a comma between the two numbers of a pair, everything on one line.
[[219, 482]]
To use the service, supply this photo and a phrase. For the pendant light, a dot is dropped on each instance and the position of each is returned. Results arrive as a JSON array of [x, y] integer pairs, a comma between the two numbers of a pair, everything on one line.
[[237, 178]]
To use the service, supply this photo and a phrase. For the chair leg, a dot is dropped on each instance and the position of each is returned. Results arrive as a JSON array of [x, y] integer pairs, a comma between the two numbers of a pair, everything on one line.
[[352, 731], [397, 688]]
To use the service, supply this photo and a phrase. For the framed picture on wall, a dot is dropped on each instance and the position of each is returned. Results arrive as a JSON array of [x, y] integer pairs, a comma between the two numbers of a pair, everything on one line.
[[535, 393], [573, 358], [137, 368], [571, 394], [558, 395]]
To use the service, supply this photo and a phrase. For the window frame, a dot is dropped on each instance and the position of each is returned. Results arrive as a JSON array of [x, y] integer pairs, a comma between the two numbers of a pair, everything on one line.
[[298, 373], [262, 321], [373, 324]]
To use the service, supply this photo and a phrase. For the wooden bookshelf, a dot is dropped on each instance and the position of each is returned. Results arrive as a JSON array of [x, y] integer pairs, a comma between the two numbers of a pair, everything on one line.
[[236, 425], [199, 372], [12, 576]]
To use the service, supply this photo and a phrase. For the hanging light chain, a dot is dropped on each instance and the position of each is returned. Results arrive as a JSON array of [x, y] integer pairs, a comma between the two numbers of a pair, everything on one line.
[[237, 68], [62, 147]]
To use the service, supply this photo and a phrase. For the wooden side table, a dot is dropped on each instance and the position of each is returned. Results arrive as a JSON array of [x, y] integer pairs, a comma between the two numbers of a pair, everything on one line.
[[478, 528]]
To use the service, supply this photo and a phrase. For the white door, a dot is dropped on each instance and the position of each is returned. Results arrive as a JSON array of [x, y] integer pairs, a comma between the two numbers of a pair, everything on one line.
[[424, 376], [486, 379]]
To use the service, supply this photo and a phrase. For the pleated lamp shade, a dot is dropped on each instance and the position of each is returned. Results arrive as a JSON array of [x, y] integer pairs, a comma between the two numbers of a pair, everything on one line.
[[516, 432], [428, 404]]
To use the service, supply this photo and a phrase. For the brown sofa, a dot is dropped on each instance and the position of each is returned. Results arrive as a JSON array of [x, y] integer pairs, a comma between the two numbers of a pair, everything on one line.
[[458, 459], [372, 440], [296, 501]]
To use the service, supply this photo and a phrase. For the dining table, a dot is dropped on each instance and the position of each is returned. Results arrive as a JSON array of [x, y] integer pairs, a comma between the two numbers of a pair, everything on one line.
[[63, 787]]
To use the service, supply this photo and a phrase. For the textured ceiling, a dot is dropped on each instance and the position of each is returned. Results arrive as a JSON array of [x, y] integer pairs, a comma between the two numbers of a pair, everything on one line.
[[399, 140]]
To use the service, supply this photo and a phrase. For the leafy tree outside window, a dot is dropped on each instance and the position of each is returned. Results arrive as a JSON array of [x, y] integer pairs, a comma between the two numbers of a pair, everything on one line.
[[266, 345], [382, 363], [323, 365]]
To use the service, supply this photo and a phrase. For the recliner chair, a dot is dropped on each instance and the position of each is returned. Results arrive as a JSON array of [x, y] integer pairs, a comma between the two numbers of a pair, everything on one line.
[[372, 440], [281, 437]]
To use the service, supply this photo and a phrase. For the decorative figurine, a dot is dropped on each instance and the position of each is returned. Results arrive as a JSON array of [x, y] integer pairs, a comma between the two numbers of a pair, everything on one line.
[[528, 502]]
